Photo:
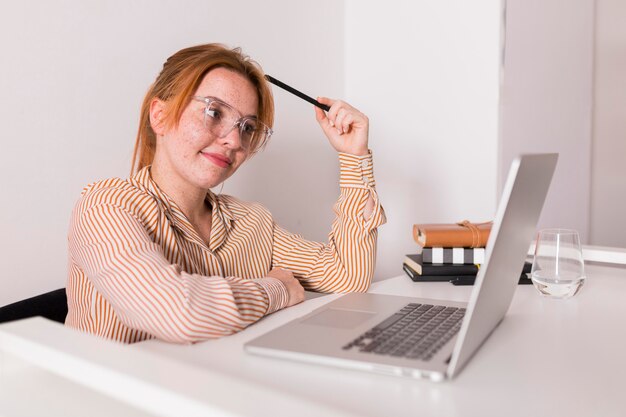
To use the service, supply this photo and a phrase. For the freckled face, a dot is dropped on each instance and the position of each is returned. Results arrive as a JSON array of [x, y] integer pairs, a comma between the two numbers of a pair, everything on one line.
[[189, 153]]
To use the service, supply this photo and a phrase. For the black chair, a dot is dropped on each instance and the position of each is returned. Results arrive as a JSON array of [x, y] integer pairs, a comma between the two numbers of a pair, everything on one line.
[[51, 305]]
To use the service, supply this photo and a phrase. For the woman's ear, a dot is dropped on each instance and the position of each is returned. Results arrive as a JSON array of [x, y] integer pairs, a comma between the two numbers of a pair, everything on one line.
[[157, 116]]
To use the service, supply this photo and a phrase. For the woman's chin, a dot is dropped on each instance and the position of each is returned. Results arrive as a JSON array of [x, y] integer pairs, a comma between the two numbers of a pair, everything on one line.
[[211, 183]]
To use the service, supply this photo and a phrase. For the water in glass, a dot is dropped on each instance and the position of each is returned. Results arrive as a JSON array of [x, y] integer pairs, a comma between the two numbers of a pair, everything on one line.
[[558, 268]]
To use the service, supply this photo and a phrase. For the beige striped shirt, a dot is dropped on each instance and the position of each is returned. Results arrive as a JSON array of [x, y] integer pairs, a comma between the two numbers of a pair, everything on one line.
[[139, 270]]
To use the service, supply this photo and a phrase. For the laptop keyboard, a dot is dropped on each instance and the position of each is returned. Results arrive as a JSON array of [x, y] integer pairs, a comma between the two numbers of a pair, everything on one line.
[[417, 331]]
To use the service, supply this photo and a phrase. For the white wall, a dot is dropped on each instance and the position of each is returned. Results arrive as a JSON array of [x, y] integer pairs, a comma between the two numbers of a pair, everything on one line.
[[427, 74], [72, 78], [73, 75], [547, 100], [608, 170]]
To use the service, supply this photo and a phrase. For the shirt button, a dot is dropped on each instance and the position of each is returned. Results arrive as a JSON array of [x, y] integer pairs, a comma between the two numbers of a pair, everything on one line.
[[364, 164], [366, 180]]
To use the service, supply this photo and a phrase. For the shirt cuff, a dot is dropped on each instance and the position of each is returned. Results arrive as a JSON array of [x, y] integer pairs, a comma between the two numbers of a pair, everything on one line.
[[277, 295], [356, 171]]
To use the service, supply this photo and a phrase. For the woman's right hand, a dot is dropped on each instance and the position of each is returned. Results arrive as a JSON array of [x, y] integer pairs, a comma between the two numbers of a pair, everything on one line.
[[346, 128], [294, 288]]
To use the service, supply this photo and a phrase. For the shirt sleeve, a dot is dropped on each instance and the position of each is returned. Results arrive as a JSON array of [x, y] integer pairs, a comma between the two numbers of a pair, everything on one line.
[[346, 263], [149, 293]]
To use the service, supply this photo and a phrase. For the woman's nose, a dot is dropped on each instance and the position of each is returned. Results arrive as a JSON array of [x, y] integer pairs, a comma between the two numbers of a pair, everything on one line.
[[233, 138]]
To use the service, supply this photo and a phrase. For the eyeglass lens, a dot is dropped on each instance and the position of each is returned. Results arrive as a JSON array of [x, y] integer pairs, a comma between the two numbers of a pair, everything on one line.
[[221, 119]]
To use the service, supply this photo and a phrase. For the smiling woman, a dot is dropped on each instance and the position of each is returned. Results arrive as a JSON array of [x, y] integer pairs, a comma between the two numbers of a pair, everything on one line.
[[160, 256]]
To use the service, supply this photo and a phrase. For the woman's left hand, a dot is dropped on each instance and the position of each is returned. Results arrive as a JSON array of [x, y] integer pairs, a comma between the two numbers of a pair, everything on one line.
[[346, 128]]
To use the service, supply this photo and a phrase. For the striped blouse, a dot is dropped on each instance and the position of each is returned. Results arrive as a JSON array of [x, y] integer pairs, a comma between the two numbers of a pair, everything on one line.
[[139, 270]]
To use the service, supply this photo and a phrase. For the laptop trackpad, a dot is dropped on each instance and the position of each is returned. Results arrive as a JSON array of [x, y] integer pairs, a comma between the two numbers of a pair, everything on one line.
[[343, 319]]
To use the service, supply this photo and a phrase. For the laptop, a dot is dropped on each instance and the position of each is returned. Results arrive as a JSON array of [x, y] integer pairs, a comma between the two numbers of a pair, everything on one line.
[[424, 338]]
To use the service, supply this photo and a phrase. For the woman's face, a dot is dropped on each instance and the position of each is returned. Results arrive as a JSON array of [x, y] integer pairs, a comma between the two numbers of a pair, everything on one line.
[[189, 152]]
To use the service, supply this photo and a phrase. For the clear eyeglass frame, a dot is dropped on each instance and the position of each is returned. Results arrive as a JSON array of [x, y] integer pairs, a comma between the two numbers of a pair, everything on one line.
[[253, 133]]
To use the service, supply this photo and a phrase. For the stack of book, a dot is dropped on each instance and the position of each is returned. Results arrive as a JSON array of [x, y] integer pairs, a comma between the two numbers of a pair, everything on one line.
[[449, 252], [441, 264]]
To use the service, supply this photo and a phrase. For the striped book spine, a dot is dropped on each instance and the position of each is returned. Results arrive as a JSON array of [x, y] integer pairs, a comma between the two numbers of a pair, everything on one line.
[[453, 255]]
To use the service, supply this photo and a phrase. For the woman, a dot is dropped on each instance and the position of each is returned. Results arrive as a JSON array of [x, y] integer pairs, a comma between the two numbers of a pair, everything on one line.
[[160, 256]]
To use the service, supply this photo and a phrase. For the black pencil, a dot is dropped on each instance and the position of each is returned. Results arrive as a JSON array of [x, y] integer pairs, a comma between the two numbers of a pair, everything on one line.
[[297, 93]]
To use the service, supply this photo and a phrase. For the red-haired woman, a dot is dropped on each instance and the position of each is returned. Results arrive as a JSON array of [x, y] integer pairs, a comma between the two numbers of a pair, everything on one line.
[[159, 255]]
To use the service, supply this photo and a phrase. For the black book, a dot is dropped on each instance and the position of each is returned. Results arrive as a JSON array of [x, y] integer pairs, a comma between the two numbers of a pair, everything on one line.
[[427, 278], [424, 268], [469, 280], [459, 279]]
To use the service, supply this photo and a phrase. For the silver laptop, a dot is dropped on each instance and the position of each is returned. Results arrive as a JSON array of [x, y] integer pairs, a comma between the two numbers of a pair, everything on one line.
[[418, 337]]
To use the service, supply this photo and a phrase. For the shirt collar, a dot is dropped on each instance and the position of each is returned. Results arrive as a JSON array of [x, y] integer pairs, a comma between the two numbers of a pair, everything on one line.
[[225, 210]]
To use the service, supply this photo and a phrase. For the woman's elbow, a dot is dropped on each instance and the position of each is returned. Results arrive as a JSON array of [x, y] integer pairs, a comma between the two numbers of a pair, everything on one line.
[[364, 286], [359, 283]]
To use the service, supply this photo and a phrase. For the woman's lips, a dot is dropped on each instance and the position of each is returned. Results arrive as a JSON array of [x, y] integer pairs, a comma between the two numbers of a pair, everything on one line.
[[217, 159]]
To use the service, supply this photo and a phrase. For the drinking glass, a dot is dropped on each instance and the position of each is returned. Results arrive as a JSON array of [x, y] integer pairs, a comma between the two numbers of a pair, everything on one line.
[[558, 268]]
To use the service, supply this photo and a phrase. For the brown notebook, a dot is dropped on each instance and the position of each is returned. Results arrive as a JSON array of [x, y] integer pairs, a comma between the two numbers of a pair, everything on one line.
[[452, 235]]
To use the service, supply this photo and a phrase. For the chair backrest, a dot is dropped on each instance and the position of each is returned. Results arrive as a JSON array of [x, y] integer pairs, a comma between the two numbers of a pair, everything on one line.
[[51, 305]]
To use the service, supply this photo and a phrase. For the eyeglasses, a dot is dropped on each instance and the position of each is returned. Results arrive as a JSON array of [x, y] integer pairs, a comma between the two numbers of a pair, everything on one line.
[[221, 118]]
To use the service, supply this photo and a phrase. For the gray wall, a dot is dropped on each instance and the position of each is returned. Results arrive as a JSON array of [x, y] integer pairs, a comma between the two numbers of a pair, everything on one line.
[[546, 100], [608, 170], [427, 73], [563, 91]]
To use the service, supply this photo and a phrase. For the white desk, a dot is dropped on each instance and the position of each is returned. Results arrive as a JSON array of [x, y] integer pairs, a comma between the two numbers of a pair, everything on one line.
[[547, 358]]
